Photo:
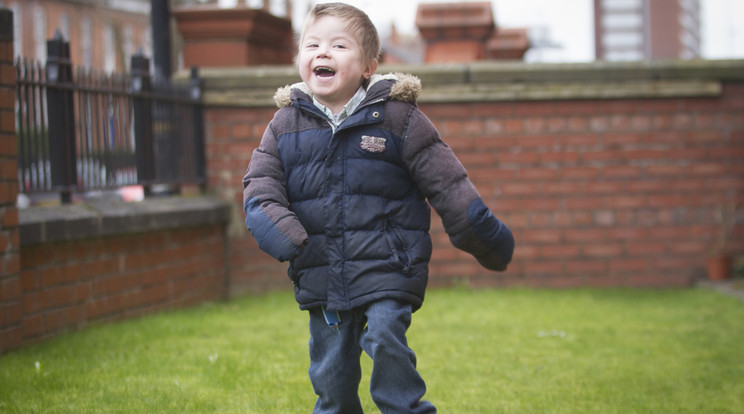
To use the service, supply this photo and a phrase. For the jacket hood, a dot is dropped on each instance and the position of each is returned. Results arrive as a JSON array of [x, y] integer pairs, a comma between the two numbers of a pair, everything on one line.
[[405, 87]]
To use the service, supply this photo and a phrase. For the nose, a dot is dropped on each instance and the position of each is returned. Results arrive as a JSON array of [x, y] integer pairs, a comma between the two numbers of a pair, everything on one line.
[[322, 52]]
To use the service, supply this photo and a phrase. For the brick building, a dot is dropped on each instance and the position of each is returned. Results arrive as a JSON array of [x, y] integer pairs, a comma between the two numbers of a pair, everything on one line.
[[646, 29], [102, 34]]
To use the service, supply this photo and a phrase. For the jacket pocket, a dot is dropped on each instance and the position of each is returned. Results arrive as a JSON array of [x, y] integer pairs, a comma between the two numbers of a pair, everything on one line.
[[398, 247]]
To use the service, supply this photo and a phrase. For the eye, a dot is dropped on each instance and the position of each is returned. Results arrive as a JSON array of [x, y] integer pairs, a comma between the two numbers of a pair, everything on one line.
[[339, 46]]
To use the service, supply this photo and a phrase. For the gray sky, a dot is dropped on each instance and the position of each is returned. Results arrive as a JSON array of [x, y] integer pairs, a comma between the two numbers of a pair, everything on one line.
[[566, 23]]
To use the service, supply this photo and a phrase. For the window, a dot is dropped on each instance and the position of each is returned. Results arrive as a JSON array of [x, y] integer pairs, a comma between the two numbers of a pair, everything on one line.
[[622, 40], [624, 55], [128, 45], [109, 49], [64, 25], [40, 33], [621, 4], [86, 42], [17, 29], [622, 21]]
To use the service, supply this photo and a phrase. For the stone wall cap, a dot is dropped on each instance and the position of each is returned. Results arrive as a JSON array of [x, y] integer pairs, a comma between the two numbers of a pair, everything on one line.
[[501, 80], [98, 218]]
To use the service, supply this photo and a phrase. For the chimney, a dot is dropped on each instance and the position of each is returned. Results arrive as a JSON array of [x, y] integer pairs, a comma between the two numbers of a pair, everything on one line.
[[455, 32], [241, 36]]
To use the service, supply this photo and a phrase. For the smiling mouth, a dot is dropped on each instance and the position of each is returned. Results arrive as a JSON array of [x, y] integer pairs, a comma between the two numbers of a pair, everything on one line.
[[324, 72]]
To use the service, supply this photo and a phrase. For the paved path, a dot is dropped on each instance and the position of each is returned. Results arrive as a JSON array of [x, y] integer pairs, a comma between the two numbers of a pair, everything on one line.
[[733, 287]]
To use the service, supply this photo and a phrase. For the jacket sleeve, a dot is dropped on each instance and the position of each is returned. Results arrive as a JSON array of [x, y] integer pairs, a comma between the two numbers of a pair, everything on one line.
[[444, 181], [265, 203]]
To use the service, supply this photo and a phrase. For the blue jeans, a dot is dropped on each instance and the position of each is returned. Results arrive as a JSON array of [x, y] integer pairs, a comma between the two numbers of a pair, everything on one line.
[[335, 371]]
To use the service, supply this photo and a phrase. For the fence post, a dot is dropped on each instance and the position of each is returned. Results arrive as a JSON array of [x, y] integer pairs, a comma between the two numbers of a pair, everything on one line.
[[60, 107], [197, 85], [142, 108]]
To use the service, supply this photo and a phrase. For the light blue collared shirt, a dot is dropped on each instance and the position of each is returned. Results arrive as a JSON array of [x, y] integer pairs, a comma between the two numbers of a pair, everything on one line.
[[348, 110]]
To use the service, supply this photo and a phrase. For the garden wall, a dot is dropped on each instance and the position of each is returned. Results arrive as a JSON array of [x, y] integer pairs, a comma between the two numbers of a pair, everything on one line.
[[608, 174], [109, 260]]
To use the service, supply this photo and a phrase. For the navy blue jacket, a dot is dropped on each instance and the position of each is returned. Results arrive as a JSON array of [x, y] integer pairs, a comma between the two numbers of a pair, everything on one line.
[[349, 208]]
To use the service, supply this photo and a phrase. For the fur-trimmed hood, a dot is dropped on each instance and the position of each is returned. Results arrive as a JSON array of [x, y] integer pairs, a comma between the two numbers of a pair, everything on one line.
[[406, 88]]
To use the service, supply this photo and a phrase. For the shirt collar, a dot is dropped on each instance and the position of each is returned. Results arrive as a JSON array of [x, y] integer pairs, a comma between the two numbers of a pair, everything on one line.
[[348, 109]]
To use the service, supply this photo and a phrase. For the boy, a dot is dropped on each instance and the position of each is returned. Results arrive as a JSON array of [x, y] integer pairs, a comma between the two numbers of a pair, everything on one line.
[[339, 187]]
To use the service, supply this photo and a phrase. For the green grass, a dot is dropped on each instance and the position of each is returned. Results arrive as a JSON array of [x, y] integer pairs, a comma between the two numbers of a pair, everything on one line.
[[486, 351]]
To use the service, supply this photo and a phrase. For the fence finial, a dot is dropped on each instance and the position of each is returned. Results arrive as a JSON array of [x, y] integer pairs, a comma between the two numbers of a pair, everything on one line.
[[58, 36]]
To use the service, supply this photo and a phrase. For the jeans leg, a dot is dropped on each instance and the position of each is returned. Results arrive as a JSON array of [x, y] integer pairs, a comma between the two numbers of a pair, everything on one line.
[[335, 370], [395, 385]]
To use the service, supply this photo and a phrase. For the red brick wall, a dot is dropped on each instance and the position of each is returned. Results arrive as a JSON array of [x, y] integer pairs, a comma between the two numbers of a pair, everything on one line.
[[68, 285], [599, 192], [231, 136], [10, 287]]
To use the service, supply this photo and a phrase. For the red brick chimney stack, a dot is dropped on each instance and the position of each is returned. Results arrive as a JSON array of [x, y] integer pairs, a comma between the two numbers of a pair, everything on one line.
[[455, 32], [466, 32], [241, 36]]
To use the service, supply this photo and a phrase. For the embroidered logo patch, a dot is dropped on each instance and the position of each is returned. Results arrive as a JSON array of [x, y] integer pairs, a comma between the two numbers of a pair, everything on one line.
[[373, 144]]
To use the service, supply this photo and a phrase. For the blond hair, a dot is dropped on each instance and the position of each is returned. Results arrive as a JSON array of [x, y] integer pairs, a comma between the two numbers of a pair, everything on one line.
[[357, 22]]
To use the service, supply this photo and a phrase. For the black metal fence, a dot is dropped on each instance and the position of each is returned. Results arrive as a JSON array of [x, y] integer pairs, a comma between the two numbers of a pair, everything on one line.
[[86, 131]]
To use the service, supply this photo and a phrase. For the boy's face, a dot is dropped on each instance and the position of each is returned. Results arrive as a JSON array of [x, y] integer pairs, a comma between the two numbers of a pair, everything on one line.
[[331, 63]]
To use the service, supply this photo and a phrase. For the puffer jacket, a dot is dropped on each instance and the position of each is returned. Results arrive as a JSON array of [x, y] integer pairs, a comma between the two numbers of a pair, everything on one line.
[[348, 206]]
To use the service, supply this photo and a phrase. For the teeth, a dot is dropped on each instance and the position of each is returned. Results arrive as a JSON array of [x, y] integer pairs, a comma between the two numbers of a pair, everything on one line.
[[324, 70]]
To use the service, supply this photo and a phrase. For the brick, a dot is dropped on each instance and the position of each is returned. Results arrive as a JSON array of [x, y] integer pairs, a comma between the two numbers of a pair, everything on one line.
[[598, 123], [517, 157], [587, 203], [514, 126], [667, 170], [628, 233], [708, 169], [580, 172], [568, 157], [603, 155], [682, 121], [11, 264], [622, 171], [32, 326], [564, 188], [586, 266], [561, 251], [623, 139], [10, 289], [495, 142], [604, 187], [491, 109], [519, 189], [536, 141], [628, 265], [542, 204], [585, 235], [471, 160], [544, 268], [556, 125], [603, 250], [8, 145], [537, 108], [541, 236], [7, 74]]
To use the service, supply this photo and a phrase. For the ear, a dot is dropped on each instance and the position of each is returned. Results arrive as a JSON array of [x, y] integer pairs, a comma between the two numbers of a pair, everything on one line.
[[370, 69]]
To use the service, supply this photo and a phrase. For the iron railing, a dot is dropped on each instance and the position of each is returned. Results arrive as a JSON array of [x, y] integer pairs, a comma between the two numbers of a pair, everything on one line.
[[93, 131]]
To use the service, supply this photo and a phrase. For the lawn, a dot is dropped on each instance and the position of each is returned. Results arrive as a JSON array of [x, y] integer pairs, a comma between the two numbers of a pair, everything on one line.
[[480, 351]]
